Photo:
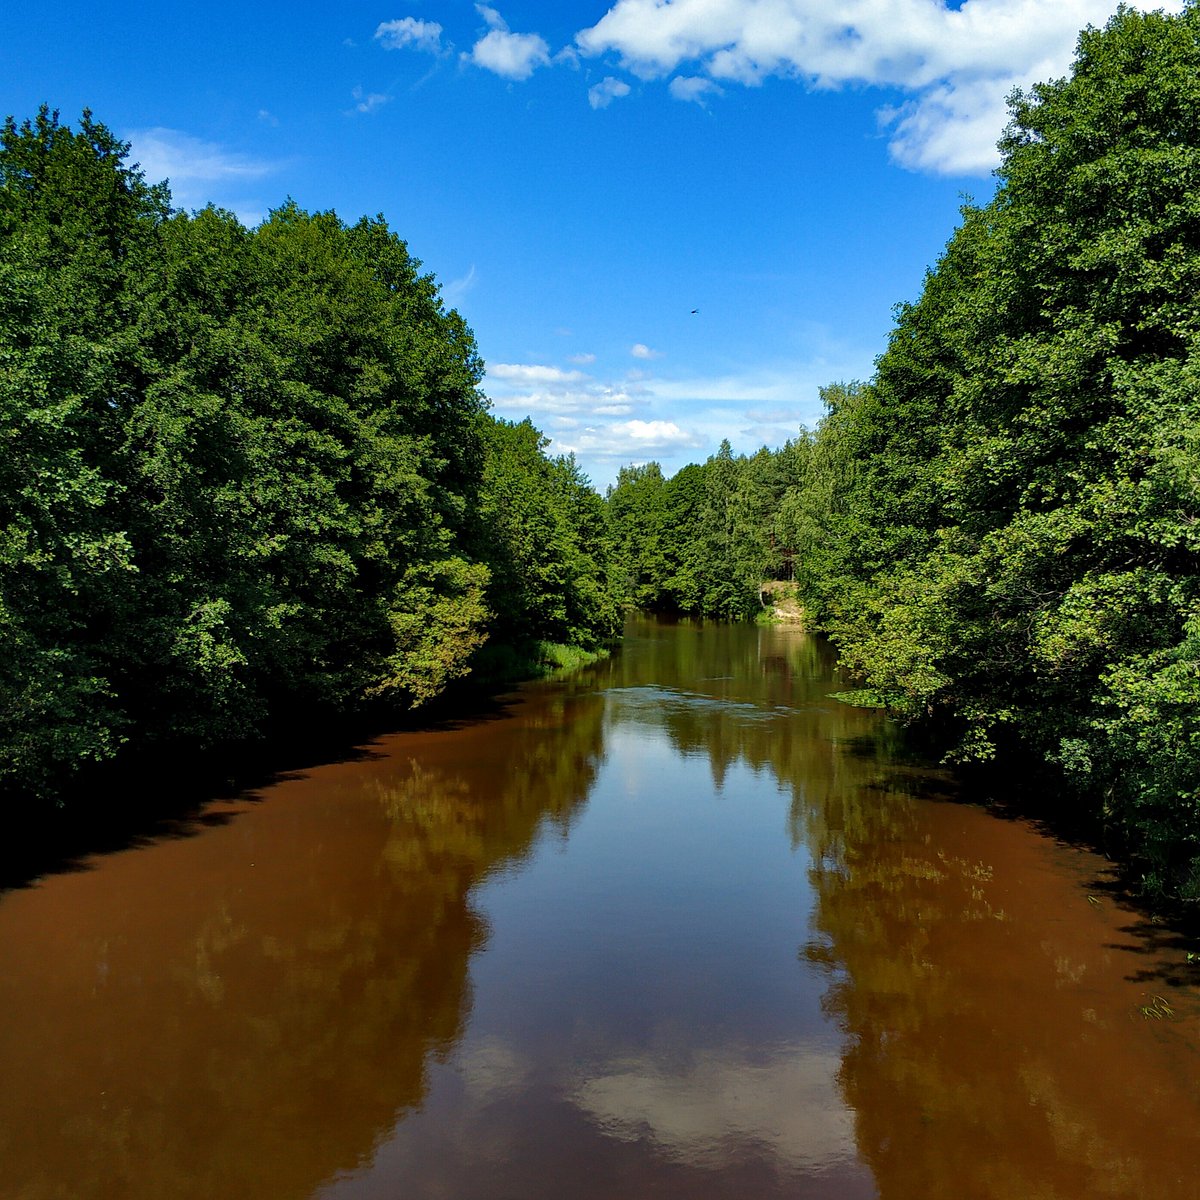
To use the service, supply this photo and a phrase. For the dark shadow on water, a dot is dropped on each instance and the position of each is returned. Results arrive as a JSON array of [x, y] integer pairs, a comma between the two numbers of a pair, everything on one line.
[[164, 793], [1036, 799], [1161, 944], [1021, 790]]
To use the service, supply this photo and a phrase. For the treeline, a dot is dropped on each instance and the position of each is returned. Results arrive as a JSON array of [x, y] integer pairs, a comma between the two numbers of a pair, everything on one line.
[[1001, 530], [247, 475], [703, 541]]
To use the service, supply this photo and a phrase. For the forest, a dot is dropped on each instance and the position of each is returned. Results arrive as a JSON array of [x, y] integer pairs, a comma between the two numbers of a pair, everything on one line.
[[248, 474], [248, 478], [1000, 529]]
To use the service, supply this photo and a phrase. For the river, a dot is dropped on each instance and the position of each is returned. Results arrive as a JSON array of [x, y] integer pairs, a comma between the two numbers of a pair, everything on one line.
[[678, 925]]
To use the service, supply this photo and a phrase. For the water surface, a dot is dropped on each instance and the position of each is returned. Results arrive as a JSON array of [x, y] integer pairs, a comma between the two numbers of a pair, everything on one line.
[[677, 926]]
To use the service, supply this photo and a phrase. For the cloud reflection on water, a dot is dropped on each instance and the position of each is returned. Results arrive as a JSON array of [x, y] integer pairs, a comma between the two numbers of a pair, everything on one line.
[[728, 1102]]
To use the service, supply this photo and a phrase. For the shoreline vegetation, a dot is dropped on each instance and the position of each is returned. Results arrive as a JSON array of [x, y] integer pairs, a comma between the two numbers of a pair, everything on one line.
[[149, 797], [781, 604], [506, 664], [248, 477]]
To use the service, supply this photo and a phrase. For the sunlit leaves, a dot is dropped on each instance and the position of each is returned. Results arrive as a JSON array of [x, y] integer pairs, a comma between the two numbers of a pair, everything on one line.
[[240, 472]]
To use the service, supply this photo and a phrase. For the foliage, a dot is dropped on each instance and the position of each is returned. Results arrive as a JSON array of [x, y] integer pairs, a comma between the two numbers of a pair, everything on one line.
[[1021, 476], [701, 542], [542, 533], [243, 472]]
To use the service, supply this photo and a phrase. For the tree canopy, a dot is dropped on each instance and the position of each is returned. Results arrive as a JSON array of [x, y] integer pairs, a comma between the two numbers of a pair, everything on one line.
[[244, 472]]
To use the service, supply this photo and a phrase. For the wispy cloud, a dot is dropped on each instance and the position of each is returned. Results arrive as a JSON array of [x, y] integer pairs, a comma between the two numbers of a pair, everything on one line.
[[627, 441], [201, 172], [456, 289], [642, 351], [408, 32], [368, 102], [511, 55], [957, 64], [616, 415], [532, 374], [954, 67], [606, 91], [542, 390], [693, 88]]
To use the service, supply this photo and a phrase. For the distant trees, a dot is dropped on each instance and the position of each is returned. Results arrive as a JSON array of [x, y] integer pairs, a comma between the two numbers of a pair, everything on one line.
[[703, 541], [242, 473], [543, 535]]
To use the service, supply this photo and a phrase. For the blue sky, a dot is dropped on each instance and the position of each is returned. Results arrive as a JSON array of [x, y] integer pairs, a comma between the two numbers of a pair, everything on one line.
[[581, 176]]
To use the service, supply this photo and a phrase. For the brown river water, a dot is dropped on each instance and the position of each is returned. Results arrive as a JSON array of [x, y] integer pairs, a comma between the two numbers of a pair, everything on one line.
[[678, 925]]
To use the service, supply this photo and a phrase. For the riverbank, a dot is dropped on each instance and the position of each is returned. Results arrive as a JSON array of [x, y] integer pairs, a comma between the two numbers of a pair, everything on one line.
[[501, 665], [782, 603], [143, 793]]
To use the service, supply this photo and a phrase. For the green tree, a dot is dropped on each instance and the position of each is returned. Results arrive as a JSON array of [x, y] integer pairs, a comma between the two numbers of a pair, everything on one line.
[[240, 468], [543, 535], [74, 223], [636, 511], [1024, 491]]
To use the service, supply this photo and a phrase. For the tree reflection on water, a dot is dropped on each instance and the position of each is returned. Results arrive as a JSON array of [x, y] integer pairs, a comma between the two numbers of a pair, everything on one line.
[[242, 1013], [282, 1005], [996, 1042]]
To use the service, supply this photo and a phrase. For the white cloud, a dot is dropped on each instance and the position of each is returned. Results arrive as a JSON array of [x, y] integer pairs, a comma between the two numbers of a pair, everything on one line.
[[694, 88], [613, 415], [642, 351], [408, 31], [652, 431], [548, 392], [633, 440], [956, 64], [606, 91], [169, 153], [587, 401], [492, 17], [512, 55], [953, 127], [369, 102], [531, 374], [200, 172]]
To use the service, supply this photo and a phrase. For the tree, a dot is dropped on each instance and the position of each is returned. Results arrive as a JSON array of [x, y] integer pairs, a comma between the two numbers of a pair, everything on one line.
[[636, 512], [241, 472], [544, 537], [1024, 491], [74, 223]]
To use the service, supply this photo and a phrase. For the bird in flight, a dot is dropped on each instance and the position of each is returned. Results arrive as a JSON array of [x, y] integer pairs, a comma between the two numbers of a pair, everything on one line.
[[695, 311]]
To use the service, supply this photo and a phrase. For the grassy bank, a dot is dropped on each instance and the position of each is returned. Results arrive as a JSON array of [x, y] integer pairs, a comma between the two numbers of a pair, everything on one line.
[[501, 664]]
